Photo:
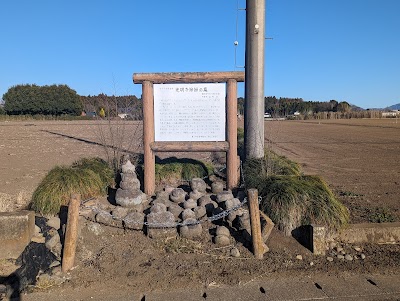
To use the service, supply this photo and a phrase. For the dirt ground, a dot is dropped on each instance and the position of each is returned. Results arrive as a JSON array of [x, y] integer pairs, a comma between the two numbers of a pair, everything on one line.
[[360, 160]]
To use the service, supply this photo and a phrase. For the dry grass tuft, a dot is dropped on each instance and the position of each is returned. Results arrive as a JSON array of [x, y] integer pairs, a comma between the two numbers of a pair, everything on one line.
[[88, 177]]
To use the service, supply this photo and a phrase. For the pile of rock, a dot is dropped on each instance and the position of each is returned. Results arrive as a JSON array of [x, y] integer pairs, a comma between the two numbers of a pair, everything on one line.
[[129, 194], [175, 211], [344, 252]]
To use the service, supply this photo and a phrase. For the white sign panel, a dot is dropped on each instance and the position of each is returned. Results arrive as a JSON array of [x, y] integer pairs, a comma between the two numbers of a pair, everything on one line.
[[189, 112]]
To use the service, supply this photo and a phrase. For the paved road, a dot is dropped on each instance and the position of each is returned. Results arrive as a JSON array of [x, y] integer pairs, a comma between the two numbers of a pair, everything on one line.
[[322, 287]]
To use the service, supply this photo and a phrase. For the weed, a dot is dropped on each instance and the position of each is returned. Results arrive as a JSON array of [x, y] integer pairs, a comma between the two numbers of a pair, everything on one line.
[[174, 169], [292, 201], [85, 177], [381, 215]]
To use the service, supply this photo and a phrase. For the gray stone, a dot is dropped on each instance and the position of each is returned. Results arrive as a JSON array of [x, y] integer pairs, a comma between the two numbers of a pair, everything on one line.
[[134, 220], [340, 256], [222, 231], [161, 219], [204, 200], [158, 208], [37, 230], [212, 178], [244, 221], [175, 209], [189, 204], [162, 195], [195, 195], [38, 239], [169, 189], [191, 231], [162, 233], [55, 263], [200, 212], [357, 249], [224, 196], [299, 257], [317, 236], [330, 259], [177, 195], [231, 203], [348, 257], [127, 198], [339, 249], [95, 228], [188, 214], [120, 212], [54, 222], [198, 184], [129, 178], [235, 252], [128, 168], [222, 240], [217, 187], [231, 217], [362, 256], [104, 217], [132, 185], [52, 241]]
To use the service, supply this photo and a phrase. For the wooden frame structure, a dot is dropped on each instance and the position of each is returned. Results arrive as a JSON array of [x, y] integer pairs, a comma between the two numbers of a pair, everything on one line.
[[150, 146]]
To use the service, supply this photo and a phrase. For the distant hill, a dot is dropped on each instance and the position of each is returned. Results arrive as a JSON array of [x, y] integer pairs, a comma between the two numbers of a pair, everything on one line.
[[356, 108], [394, 107]]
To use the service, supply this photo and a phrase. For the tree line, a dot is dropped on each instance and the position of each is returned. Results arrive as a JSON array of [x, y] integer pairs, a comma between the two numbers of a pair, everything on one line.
[[57, 100], [46, 100], [62, 100]]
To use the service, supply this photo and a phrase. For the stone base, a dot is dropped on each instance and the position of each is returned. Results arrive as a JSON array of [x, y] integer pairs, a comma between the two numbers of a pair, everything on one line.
[[162, 233], [16, 231]]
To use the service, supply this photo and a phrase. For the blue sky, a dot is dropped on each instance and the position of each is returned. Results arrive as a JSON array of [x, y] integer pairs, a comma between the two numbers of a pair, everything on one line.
[[321, 49]]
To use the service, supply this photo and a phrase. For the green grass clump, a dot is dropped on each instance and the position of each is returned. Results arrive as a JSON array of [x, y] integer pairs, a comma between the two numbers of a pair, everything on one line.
[[256, 170], [293, 201], [174, 169], [100, 167], [290, 198], [381, 215], [88, 177]]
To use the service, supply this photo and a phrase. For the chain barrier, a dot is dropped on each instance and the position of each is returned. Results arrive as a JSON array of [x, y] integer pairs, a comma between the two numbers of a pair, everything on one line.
[[175, 224]]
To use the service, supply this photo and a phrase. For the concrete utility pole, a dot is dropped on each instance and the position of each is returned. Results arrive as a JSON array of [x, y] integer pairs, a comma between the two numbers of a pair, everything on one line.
[[254, 81]]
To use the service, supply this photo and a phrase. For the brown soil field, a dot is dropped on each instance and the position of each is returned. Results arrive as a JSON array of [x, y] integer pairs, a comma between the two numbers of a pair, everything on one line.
[[359, 158]]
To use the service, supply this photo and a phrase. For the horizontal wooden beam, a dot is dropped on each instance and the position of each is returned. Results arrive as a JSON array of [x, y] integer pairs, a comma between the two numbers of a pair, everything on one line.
[[188, 77], [221, 146]]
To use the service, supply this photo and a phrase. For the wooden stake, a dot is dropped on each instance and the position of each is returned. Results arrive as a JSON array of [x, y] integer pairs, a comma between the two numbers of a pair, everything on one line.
[[258, 249], [71, 233], [148, 138], [231, 134]]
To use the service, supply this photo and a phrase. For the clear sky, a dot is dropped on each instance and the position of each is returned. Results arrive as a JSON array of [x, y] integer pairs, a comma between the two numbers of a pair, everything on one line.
[[321, 49]]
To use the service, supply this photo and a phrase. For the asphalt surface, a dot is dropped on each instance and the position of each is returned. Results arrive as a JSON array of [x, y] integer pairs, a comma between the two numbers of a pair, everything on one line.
[[320, 287]]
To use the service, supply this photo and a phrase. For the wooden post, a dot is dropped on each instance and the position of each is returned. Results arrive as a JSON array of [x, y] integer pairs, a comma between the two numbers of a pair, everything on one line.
[[258, 248], [231, 124], [71, 233], [148, 137]]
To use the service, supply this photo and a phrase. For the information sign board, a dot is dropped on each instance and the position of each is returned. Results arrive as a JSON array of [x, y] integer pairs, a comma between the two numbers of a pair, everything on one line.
[[189, 112]]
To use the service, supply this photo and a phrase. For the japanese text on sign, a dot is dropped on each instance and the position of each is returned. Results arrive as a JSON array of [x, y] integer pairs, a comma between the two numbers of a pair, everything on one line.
[[189, 112]]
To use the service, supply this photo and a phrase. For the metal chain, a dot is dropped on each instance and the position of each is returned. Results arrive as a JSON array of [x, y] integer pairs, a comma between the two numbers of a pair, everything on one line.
[[175, 224]]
